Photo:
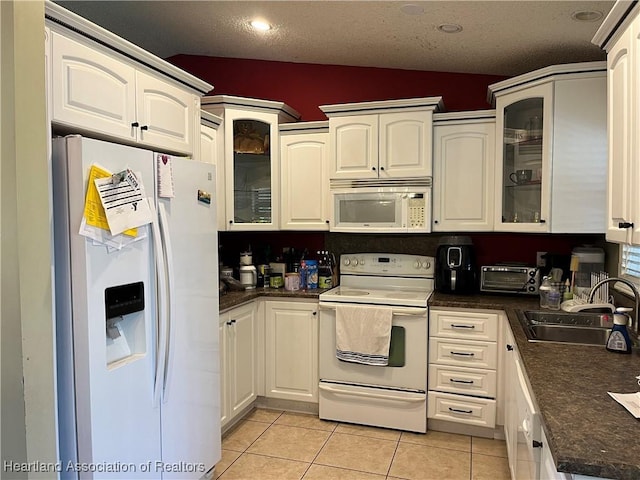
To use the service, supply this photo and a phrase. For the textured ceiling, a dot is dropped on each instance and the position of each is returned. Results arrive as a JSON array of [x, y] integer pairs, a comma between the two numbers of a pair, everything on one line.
[[499, 37]]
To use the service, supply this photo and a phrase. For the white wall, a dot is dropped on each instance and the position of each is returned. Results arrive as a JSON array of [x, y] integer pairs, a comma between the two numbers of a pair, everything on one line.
[[27, 330]]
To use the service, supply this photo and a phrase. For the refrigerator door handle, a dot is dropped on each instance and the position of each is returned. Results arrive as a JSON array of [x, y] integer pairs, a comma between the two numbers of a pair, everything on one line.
[[164, 227], [161, 278]]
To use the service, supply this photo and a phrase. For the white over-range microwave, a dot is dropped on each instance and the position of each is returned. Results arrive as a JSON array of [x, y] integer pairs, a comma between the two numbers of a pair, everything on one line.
[[387, 208]]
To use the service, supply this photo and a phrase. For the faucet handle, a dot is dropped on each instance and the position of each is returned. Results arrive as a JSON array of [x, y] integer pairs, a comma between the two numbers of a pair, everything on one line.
[[624, 310]]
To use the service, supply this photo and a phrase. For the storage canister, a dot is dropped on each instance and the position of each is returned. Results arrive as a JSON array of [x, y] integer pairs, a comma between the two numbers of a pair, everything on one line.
[[312, 273]]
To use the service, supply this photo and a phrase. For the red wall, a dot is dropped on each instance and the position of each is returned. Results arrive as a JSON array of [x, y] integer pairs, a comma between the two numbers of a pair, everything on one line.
[[304, 86]]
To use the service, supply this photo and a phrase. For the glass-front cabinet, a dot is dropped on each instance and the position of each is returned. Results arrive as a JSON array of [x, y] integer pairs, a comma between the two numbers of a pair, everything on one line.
[[251, 159], [524, 128]]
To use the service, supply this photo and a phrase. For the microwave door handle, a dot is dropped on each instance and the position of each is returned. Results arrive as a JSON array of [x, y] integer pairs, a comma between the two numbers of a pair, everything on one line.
[[453, 279]]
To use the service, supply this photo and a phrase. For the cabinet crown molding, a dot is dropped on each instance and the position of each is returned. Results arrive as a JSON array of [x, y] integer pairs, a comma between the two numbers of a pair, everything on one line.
[[544, 75], [209, 119], [385, 106], [57, 15], [467, 116], [230, 101], [619, 17], [305, 127]]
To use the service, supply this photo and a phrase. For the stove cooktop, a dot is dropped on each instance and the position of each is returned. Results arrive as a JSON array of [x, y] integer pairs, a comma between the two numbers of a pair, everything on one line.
[[347, 294]]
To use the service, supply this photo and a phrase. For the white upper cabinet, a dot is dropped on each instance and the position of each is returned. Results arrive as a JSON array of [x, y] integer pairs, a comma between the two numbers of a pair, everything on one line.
[[103, 86], [463, 171], [251, 156], [388, 139], [620, 36], [209, 153], [551, 150], [304, 157]]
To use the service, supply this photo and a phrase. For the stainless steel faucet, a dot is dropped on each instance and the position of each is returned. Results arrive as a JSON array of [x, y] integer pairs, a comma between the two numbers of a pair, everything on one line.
[[633, 289]]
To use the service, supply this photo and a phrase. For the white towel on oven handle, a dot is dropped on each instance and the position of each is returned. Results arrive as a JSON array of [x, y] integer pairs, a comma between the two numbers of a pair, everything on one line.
[[363, 334]]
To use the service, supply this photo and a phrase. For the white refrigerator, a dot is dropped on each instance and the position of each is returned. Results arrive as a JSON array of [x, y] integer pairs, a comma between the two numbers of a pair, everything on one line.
[[137, 327]]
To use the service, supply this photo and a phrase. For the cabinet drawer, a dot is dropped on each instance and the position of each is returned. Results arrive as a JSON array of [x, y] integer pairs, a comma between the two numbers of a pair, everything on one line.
[[457, 408], [468, 381], [464, 353], [471, 325]]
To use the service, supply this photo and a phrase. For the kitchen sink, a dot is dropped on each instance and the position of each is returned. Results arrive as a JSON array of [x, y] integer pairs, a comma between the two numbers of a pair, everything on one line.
[[564, 327]]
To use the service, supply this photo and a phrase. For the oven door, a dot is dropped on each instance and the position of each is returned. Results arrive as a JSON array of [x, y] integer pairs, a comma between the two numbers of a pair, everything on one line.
[[407, 368], [368, 210]]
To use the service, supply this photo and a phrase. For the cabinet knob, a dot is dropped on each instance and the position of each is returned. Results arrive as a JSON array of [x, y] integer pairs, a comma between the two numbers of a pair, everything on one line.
[[625, 225], [326, 221], [135, 124], [230, 222], [315, 313], [543, 221], [509, 348], [229, 323], [373, 168], [537, 444], [381, 168], [144, 127], [435, 221]]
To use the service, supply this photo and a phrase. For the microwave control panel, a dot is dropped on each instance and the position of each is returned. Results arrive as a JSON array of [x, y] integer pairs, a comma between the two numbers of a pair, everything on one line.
[[416, 211]]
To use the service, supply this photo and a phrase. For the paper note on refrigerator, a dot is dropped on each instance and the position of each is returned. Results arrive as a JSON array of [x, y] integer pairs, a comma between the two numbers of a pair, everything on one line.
[[124, 201], [165, 175], [94, 214]]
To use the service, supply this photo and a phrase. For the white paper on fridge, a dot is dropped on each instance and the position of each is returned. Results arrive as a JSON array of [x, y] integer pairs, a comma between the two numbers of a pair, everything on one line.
[[165, 175], [124, 201]]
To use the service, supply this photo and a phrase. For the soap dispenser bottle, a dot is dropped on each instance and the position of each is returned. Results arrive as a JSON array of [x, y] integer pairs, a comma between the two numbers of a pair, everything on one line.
[[619, 340]]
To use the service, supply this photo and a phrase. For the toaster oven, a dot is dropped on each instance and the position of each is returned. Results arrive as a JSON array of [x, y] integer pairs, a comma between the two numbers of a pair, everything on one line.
[[510, 279]]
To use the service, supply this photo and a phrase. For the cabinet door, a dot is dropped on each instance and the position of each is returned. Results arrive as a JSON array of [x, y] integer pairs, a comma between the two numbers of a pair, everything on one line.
[[91, 90], [619, 128], [405, 144], [305, 181], [252, 170], [524, 126], [463, 177], [242, 330], [510, 382], [292, 351], [165, 114], [354, 147], [224, 368], [209, 154]]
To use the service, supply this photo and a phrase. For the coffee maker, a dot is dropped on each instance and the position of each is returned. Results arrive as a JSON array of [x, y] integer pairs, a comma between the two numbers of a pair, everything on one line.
[[456, 265]]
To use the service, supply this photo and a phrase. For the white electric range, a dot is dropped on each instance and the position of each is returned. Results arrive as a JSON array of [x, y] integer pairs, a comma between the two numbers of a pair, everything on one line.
[[391, 396]]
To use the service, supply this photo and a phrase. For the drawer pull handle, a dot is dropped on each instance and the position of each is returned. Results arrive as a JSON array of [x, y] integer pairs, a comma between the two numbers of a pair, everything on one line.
[[453, 325], [467, 382], [463, 354], [457, 410]]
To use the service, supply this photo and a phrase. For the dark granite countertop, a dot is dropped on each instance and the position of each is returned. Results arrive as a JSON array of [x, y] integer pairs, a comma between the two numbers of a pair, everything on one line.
[[234, 299], [588, 432]]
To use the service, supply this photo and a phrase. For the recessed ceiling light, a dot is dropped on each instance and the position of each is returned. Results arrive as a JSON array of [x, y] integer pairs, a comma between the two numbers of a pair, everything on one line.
[[586, 15], [412, 9], [261, 25], [450, 28]]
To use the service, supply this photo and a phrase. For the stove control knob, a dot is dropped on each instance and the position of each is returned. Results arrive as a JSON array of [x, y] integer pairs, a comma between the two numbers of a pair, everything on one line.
[[354, 262], [416, 264], [426, 265], [362, 261], [346, 261]]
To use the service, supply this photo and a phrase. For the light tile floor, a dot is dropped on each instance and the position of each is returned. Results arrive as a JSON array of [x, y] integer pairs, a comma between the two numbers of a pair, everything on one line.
[[271, 444]]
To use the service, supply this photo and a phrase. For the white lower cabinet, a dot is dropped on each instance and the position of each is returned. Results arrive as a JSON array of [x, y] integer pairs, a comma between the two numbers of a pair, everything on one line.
[[291, 336], [463, 362], [238, 361]]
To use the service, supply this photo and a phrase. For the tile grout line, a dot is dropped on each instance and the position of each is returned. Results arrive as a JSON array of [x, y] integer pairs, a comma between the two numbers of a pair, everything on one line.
[[319, 450]]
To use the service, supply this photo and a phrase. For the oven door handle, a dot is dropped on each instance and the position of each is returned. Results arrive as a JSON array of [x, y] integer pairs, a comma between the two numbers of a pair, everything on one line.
[[396, 312], [371, 395]]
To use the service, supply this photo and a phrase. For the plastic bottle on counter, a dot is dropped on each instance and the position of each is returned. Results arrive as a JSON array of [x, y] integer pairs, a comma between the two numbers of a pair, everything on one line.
[[303, 274], [312, 274], [619, 340]]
